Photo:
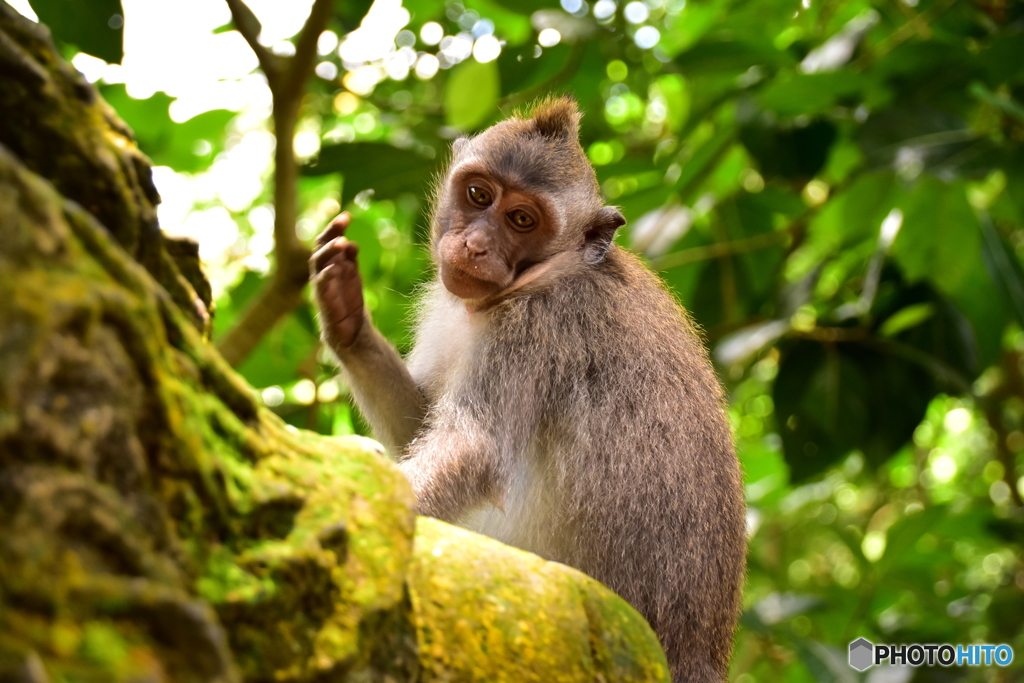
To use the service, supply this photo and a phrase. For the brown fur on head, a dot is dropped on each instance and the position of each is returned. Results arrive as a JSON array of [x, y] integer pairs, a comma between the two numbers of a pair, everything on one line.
[[540, 150], [536, 163]]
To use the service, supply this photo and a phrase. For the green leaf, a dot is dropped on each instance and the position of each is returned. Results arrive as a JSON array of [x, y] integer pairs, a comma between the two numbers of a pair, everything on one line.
[[988, 310], [943, 342], [276, 359], [821, 406], [905, 533], [792, 94], [833, 398], [1003, 267], [939, 240], [906, 318], [189, 147], [690, 25], [704, 159], [388, 171], [233, 301], [93, 26], [513, 19], [853, 215], [1003, 102], [587, 82], [791, 153], [747, 216], [471, 94], [728, 56], [519, 71]]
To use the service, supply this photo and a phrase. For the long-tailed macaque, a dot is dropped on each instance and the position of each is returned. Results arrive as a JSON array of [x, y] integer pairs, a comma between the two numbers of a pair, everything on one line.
[[557, 399]]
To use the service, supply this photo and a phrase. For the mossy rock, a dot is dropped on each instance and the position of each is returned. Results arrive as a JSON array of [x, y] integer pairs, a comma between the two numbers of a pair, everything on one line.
[[489, 612], [156, 518]]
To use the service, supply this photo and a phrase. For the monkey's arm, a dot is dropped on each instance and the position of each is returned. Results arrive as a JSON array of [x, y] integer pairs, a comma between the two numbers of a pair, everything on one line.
[[476, 437], [453, 465], [385, 391]]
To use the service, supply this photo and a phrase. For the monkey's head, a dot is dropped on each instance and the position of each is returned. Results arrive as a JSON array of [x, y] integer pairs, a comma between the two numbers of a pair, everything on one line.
[[515, 196]]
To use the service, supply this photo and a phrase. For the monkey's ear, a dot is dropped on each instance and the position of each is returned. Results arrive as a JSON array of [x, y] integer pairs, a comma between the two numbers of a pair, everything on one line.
[[598, 240]]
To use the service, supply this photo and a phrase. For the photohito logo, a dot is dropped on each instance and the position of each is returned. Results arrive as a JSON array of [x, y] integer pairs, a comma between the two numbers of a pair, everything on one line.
[[864, 654]]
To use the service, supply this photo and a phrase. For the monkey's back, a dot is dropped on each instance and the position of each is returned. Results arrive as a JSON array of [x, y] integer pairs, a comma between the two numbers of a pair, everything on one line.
[[643, 489]]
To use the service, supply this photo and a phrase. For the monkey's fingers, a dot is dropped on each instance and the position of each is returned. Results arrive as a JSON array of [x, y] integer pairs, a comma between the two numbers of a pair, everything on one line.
[[341, 302], [350, 286], [339, 287], [333, 304], [335, 229], [339, 247], [320, 258], [345, 265]]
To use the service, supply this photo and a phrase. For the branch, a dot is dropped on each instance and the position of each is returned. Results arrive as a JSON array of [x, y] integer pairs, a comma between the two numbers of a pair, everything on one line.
[[249, 26], [918, 24], [720, 249], [287, 77], [305, 48], [273, 303]]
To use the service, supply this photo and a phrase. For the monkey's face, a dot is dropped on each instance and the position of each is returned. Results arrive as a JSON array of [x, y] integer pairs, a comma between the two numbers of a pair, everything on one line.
[[491, 232]]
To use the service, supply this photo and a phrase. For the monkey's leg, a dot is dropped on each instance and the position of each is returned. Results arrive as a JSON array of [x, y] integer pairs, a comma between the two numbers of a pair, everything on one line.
[[385, 391]]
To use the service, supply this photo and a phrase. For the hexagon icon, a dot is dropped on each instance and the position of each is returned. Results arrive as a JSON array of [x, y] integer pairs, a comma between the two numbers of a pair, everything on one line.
[[861, 654]]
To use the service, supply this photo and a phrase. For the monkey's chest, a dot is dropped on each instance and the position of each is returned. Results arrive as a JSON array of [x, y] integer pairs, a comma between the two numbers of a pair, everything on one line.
[[446, 344], [524, 520]]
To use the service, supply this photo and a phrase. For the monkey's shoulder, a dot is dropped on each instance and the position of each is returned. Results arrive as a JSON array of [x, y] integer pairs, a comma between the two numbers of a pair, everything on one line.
[[619, 296], [616, 318]]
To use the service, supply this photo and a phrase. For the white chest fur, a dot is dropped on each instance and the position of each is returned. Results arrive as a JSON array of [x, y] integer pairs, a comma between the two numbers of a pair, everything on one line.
[[447, 344], [446, 338], [525, 518]]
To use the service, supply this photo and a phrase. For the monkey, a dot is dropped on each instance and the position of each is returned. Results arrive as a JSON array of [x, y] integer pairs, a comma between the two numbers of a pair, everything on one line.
[[556, 397]]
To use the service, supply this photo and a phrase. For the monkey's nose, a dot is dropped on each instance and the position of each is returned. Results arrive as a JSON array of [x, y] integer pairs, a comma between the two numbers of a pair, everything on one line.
[[475, 246]]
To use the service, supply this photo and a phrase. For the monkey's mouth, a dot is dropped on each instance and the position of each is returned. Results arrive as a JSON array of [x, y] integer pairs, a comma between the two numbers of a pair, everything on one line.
[[467, 285]]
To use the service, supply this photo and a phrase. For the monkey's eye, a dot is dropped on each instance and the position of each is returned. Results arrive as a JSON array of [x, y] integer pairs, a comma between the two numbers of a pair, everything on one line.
[[521, 220], [480, 196]]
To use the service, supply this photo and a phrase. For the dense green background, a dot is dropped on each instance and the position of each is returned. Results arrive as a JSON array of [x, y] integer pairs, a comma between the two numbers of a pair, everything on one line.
[[833, 188]]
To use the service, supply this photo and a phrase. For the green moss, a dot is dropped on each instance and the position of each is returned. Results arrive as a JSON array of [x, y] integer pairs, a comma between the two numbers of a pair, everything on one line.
[[488, 612], [103, 644], [60, 128], [299, 542]]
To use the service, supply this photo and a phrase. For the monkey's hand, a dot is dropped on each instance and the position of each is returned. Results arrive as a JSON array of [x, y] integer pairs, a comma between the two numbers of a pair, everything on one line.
[[338, 287]]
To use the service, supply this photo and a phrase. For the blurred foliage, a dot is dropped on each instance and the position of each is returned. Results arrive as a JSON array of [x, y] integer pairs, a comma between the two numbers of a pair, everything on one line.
[[833, 188], [94, 27]]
